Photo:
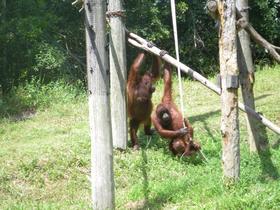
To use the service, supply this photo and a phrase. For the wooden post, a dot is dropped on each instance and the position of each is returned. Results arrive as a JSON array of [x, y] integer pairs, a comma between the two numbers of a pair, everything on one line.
[[229, 81], [99, 109], [246, 67], [118, 74]]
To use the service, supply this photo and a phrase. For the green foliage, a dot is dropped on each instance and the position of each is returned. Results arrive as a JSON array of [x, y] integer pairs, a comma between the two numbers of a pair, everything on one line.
[[45, 39], [196, 30], [265, 17], [33, 36], [34, 95], [197, 33], [48, 58], [49, 62]]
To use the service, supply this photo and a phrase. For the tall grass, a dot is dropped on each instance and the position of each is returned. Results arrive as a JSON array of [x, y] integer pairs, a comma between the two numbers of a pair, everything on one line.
[[34, 95]]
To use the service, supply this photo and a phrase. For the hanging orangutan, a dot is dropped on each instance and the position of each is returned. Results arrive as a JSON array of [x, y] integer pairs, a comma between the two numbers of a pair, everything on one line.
[[139, 93], [169, 122]]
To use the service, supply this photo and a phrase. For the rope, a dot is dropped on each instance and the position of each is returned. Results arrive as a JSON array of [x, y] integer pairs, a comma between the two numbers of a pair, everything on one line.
[[162, 53], [173, 12], [118, 13], [150, 44]]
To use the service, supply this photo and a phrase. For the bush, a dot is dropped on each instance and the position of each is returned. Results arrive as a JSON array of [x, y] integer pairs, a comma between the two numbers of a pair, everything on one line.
[[34, 95]]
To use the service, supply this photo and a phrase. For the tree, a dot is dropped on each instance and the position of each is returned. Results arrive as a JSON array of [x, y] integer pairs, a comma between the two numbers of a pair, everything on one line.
[[265, 16], [2, 83], [99, 109], [39, 44]]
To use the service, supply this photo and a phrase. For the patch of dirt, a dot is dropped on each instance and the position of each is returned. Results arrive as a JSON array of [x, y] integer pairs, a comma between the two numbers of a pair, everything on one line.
[[27, 114]]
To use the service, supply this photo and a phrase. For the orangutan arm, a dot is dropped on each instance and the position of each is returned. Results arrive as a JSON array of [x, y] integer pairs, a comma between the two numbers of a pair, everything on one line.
[[169, 134], [190, 129], [134, 69], [155, 68]]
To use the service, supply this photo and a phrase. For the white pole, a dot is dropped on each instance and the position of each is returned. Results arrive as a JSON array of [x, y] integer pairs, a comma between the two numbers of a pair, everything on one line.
[[102, 176], [175, 34]]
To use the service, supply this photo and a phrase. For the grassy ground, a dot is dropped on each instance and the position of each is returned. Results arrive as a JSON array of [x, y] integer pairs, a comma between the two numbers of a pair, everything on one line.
[[45, 155]]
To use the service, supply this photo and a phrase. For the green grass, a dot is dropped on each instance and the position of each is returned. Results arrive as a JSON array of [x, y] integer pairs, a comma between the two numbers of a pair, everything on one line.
[[45, 154]]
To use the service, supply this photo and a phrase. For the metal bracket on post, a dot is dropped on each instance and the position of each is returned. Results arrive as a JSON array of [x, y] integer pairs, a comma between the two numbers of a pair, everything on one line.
[[232, 81]]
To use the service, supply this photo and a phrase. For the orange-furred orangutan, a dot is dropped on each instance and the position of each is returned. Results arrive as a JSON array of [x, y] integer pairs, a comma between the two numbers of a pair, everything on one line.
[[168, 121], [139, 94]]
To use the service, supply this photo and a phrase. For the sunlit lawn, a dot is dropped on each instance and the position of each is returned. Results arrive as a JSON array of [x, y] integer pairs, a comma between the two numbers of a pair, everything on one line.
[[45, 158]]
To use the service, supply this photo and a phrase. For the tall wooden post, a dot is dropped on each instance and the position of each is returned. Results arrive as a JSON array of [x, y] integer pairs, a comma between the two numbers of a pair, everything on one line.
[[246, 67], [99, 106], [229, 83], [118, 74]]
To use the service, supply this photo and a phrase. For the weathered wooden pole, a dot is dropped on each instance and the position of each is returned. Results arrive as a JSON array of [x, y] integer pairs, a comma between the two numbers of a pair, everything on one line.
[[246, 67], [118, 73], [99, 106], [229, 85]]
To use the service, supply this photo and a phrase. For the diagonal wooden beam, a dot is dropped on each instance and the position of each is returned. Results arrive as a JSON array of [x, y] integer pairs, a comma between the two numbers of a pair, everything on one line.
[[143, 44]]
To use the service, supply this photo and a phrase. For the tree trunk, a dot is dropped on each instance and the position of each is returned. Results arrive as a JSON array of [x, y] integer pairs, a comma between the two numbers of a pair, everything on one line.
[[3, 81], [99, 109], [118, 75], [229, 83], [245, 64]]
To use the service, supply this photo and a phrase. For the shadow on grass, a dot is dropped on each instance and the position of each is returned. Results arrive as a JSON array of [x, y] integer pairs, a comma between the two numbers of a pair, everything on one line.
[[15, 108], [145, 178], [262, 96], [276, 144], [203, 118], [269, 170], [155, 142], [163, 196]]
